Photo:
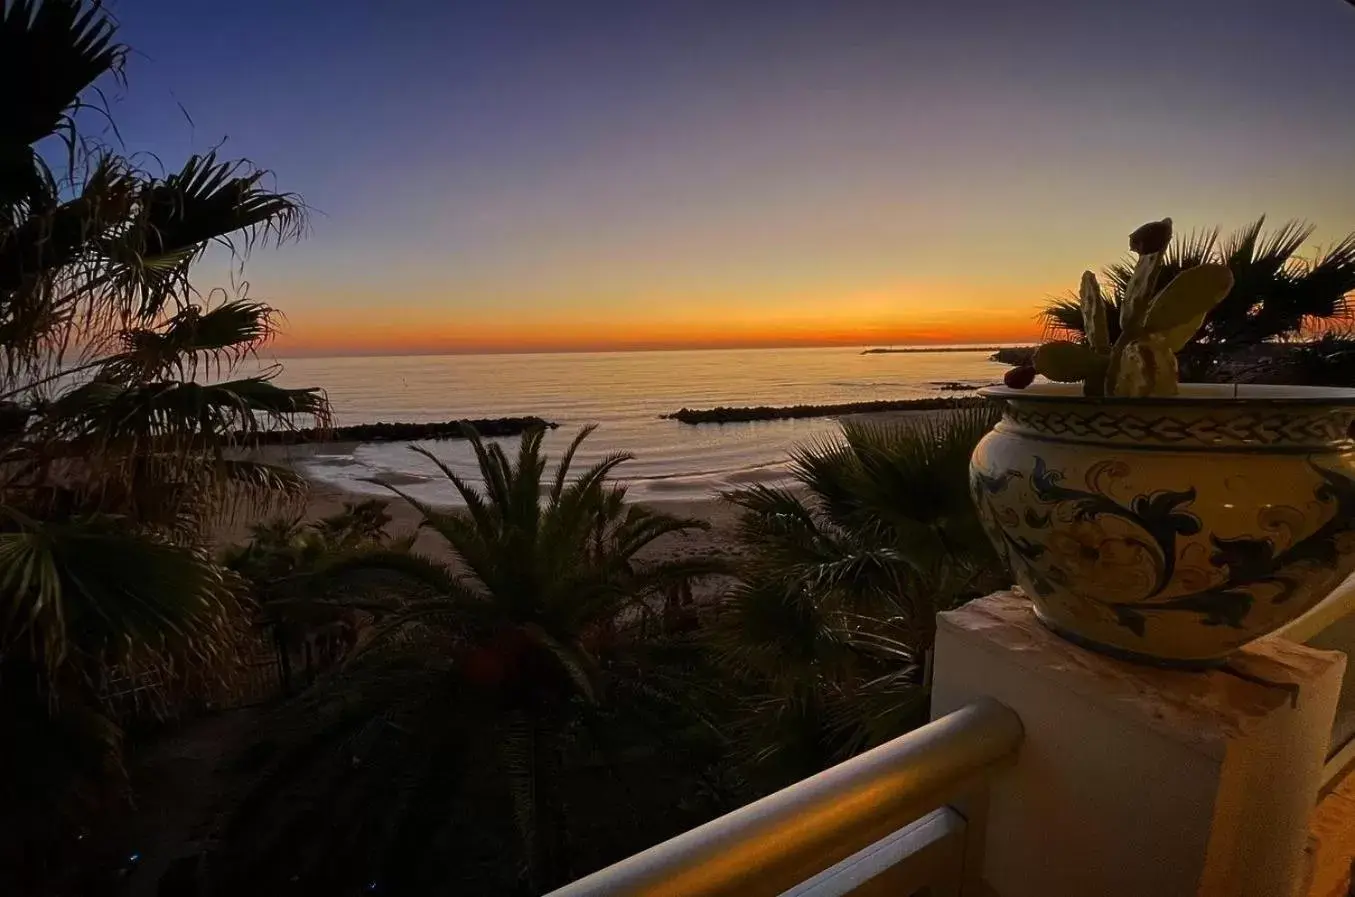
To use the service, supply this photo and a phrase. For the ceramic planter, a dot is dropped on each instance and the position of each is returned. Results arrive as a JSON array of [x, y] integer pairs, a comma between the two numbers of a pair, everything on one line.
[[1171, 530]]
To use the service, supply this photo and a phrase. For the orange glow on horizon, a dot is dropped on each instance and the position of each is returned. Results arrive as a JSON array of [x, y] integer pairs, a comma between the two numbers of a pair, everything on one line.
[[993, 327], [861, 320]]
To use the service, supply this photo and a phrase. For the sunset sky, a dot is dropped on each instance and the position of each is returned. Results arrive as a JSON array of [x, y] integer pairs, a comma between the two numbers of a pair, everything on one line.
[[658, 173]]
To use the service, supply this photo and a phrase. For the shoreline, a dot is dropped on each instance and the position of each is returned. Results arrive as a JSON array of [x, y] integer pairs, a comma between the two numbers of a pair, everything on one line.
[[325, 498]]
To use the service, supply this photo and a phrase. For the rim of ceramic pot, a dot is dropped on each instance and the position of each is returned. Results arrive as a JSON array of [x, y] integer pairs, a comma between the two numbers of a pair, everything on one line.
[[1191, 394]]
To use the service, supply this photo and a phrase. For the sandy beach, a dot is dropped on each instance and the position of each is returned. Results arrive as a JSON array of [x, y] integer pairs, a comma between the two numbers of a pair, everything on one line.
[[325, 499]]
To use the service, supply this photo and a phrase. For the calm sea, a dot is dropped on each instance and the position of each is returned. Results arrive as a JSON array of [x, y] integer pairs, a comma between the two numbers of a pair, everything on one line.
[[624, 393]]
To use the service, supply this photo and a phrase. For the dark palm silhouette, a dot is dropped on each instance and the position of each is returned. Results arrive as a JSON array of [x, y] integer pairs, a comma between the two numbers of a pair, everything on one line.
[[481, 677], [831, 624], [113, 456]]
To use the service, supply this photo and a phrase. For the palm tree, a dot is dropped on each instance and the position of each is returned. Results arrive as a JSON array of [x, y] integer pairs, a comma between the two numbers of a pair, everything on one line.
[[1276, 294], [484, 671], [116, 446], [831, 623], [283, 553]]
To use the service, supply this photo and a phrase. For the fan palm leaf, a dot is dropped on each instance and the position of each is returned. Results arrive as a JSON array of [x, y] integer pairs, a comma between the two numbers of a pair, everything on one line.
[[212, 199], [56, 49], [840, 579], [107, 412], [97, 587], [192, 337], [177, 217]]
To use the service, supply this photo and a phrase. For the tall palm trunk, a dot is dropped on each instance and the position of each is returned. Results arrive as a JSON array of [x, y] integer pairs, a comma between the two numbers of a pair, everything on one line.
[[532, 762], [552, 860]]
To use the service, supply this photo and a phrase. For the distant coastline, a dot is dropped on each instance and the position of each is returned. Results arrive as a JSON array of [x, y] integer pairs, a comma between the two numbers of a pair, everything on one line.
[[1015, 355], [918, 350]]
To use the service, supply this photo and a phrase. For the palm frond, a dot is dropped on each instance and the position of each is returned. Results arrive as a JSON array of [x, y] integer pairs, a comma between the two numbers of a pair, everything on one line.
[[770, 503], [176, 217], [1191, 250], [55, 49], [425, 575], [878, 710], [1327, 285], [593, 477], [471, 542], [252, 485], [51, 240], [95, 586], [475, 502], [106, 411], [642, 527], [582, 670], [1240, 247], [782, 633], [493, 468], [192, 337], [1062, 319], [676, 572], [567, 461]]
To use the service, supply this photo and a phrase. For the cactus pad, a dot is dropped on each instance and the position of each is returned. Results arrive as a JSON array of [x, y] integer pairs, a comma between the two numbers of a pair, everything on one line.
[[1179, 310], [1094, 313], [1068, 362], [1147, 368], [1137, 293]]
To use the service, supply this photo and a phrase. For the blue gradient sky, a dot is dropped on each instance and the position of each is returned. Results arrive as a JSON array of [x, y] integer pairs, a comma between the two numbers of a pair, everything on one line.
[[583, 174]]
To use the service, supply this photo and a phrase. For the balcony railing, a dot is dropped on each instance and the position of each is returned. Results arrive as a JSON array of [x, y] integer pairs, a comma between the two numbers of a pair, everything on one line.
[[905, 816], [1331, 626]]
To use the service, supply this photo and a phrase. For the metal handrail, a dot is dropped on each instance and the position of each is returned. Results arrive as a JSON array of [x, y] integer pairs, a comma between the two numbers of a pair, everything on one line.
[[787, 837], [1313, 627], [1339, 604]]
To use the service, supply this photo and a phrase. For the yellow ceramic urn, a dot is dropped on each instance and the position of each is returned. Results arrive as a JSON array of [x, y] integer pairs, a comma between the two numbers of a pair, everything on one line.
[[1171, 530]]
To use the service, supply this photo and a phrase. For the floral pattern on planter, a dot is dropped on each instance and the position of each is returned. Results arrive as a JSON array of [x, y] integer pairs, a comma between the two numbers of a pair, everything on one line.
[[1175, 556]]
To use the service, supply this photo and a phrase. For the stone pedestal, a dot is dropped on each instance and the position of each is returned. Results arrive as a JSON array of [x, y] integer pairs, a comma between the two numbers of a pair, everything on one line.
[[1135, 781]]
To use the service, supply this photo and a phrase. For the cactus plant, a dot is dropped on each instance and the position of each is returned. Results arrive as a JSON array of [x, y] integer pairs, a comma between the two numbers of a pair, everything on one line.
[[1154, 325]]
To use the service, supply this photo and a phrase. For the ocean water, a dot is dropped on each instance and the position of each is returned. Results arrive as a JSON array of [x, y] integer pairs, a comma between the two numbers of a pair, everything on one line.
[[624, 393]]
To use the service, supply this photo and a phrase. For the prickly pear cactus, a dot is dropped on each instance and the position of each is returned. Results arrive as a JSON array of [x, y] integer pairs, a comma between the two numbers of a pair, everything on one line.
[[1154, 325]]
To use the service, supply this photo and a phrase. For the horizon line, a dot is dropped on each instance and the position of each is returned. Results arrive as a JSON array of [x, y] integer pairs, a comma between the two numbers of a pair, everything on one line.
[[862, 348], [919, 348]]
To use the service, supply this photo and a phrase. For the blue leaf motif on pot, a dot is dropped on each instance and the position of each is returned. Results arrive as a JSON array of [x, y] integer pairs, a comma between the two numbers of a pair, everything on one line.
[[1192, 529]]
